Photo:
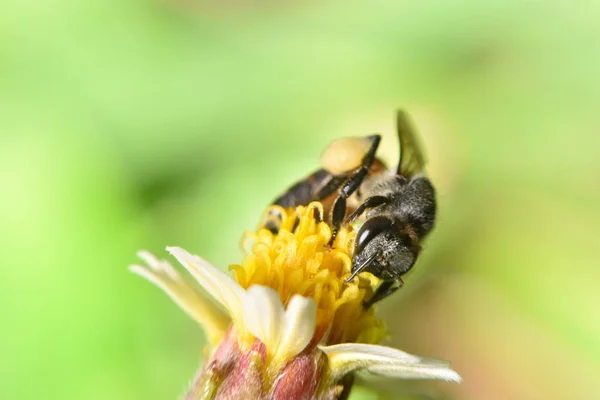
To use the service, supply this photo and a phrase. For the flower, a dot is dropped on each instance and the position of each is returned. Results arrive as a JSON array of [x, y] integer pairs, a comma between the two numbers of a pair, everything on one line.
[[291, 327]]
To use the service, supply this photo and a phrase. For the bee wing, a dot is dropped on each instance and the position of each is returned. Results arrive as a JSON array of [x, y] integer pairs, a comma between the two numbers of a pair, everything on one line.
[[412, 160]]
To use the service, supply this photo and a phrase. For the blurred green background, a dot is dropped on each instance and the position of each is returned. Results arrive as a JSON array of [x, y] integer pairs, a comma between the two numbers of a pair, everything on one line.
[[140, 124]]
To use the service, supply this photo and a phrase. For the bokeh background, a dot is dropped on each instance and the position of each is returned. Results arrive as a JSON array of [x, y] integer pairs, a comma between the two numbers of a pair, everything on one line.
[[140, 124]]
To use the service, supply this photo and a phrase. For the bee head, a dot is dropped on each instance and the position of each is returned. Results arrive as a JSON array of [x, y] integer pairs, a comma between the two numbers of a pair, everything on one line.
[[384, 248]]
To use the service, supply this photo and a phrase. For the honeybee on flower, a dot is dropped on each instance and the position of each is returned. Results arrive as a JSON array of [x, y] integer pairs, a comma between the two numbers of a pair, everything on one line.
[[398, 206]]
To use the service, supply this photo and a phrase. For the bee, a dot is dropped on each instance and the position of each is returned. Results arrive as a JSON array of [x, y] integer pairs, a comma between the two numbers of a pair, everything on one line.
[[398, 206]]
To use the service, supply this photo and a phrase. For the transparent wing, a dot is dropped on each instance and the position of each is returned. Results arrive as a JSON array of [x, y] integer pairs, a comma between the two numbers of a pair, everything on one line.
[[412, 160]]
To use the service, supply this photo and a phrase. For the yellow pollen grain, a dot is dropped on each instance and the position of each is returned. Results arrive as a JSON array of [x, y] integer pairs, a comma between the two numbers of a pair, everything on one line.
[[298, 260]]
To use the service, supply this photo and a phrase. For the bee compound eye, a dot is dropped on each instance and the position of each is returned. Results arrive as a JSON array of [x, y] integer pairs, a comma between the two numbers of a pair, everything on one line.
[[370, 229]]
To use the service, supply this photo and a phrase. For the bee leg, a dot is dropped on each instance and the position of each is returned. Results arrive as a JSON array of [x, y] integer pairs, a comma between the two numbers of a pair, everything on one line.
[[383, 290], [331, 186], [338, 211], [273, 221], [371, 202]]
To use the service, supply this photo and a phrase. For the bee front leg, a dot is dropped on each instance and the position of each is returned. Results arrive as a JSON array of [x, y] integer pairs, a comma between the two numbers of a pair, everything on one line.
[[385, 289], [371, 202], [338, 211]]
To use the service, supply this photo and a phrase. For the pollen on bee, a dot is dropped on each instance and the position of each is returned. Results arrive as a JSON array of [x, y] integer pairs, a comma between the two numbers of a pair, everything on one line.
[[345, 154], [298, 260]]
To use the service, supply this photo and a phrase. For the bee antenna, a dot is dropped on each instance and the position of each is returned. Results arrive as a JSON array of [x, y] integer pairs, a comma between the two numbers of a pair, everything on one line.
[[361, 267]]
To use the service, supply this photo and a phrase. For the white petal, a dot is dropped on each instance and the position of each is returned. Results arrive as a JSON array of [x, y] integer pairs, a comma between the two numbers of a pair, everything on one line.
[[299, 326], [418, 371], [163, 275], [264, 315], [216, 282], [157, 265], [386, 361]]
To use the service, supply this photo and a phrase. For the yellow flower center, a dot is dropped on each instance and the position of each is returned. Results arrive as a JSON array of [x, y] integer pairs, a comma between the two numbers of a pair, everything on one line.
[[298, 260]]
